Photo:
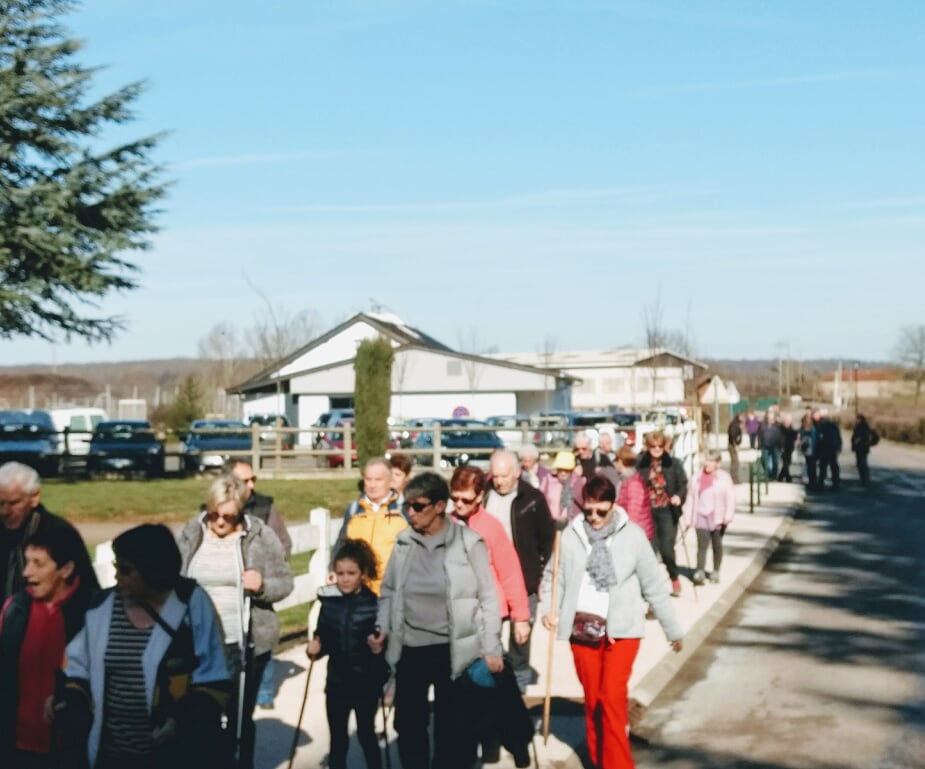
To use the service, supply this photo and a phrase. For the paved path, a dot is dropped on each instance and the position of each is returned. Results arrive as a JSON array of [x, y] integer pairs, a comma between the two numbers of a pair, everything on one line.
[[749, 543]]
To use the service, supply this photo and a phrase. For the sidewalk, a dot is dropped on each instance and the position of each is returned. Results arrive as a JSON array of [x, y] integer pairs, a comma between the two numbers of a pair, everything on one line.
[[749, 542]]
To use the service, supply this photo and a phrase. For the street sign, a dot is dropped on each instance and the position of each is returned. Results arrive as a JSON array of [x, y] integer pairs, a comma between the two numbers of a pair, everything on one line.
[[460, 412]]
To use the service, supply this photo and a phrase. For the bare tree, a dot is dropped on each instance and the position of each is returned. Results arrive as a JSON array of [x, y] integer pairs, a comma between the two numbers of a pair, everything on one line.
[[659, 337], [277, 332], [910, 354], [547, 351], [470, 342]]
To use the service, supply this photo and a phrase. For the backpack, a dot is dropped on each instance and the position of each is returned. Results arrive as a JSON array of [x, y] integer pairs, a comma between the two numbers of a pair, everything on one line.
[[874, 437]]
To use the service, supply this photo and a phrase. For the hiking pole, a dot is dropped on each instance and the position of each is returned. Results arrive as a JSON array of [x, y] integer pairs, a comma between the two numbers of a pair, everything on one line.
[[547, 700], [687, 558], [246, 654], [385, 729], [298, 724]]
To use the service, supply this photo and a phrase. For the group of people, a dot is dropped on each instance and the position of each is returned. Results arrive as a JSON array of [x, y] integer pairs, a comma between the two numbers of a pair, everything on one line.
[[818, 439], [161, 670], [429, 573], [433, 583]]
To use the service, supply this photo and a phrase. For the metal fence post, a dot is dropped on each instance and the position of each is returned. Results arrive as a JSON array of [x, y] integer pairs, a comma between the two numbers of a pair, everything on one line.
[[751, 487], [255, 447]]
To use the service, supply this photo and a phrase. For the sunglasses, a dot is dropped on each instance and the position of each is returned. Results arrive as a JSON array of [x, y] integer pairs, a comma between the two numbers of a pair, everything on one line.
[[418, 507], [463, 500], [591, 512], [227, 517]]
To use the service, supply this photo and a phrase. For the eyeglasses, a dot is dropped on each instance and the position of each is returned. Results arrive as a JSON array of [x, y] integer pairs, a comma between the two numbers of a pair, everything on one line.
[[226, 517], [418, 507], [593, 511], [252, 479], [463, 500]]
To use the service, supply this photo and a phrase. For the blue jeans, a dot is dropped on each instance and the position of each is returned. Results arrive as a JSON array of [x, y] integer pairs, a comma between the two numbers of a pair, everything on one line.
[[771, 458], [267, 691]]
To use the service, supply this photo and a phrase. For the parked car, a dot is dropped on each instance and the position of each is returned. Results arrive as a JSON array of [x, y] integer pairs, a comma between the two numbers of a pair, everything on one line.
[[125, 447], [29, 436], [511, 429], [268, 436], [329, 419], [78, 424], [458, 436], [334, 439], [210, 443]]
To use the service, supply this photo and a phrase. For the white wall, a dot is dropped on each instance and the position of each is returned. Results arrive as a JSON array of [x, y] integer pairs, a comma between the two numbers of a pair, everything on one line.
[[343, 346], [441, 405], [627, 387], [310, 408]]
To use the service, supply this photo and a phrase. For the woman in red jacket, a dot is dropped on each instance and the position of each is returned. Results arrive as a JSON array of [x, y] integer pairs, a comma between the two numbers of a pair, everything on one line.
[[502, 718]]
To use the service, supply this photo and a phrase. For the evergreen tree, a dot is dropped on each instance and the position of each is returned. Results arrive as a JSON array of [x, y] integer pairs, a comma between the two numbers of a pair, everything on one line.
[[68, 208], [187, 406], [372, 397]]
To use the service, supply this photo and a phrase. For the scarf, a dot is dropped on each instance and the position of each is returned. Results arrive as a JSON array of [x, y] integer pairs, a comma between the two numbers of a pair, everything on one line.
[[600, 564], [566, 499]]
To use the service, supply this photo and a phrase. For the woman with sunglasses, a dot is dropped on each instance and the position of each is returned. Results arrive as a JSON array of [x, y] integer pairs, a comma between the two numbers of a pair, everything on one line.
[[607, 572], [241, 564], [501, 716], [439, 621]]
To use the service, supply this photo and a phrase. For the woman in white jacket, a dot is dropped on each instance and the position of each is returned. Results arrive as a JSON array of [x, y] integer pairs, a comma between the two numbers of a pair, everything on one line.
[[607, 572], [710, 507]]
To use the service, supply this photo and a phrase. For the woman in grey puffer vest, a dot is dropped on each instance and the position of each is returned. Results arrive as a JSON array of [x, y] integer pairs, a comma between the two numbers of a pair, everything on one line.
[[240, 563], [439, 614]]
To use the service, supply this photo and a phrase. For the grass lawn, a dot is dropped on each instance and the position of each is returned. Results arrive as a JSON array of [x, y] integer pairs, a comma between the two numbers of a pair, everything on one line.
[[170, 500]]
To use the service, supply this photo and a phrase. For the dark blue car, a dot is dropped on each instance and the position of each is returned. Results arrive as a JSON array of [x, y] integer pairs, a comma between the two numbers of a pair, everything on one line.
[[463, 440], [29, 436], [210, 443], [125, 447]]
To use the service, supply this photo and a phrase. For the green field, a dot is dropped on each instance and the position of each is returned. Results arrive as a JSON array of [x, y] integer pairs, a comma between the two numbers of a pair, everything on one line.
[[172, 500]]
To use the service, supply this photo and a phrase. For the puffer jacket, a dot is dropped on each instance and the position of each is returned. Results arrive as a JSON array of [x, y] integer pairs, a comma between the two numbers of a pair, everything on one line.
[[471, 597], [639, 580], [260, 550], [344, 624]]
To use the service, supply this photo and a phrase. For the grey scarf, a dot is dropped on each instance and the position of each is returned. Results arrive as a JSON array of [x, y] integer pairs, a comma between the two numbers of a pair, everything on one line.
[[600, 564]]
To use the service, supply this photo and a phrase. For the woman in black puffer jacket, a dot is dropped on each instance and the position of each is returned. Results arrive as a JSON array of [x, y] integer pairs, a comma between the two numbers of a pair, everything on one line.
[[355, 675]]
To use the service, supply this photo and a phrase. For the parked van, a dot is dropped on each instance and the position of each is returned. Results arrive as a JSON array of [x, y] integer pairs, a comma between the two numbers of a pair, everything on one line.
[[80, 424]]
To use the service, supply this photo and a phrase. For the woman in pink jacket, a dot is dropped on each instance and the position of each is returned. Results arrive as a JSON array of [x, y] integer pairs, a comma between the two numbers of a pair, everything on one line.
[[709, 508]]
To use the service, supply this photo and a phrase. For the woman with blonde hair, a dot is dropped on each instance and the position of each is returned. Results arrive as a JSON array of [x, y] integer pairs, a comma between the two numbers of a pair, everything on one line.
[[240, 563]]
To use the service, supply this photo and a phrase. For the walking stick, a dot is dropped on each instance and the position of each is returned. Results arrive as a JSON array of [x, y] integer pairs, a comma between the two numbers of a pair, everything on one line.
[[554, 607], [298, 724], [246, 658], [687, 558], [385, 729]]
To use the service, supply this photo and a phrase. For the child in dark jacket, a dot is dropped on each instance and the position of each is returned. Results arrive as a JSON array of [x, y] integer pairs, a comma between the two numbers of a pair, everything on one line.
[[355, 674]]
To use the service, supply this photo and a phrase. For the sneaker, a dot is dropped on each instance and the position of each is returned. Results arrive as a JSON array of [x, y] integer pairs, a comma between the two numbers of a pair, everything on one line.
[[714, 577], [675, 587], [700, 576]]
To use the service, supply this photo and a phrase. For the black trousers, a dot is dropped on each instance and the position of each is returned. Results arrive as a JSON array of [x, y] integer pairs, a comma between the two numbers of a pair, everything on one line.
[[786, 458], [828, 462], [666, 532], [251, 684], [863, 467], [419, 668], [341, 697]]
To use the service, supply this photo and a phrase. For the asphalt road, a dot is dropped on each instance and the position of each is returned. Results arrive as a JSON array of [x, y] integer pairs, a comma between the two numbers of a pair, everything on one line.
[[822, 664]]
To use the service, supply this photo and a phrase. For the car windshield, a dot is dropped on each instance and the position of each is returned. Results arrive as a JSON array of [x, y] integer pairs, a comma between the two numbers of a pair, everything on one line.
[[221, 429], [625, 420], [124, 433]]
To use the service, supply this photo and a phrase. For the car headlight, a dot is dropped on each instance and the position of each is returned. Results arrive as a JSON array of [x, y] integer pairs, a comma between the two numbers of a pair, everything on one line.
[[154, 450]]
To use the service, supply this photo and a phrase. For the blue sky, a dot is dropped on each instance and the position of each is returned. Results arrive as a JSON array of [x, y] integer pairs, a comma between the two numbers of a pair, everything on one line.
[[521, 170]]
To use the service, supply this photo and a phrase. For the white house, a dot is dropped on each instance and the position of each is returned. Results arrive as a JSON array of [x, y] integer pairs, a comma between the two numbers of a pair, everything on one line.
[[624, 378], [429, 379]]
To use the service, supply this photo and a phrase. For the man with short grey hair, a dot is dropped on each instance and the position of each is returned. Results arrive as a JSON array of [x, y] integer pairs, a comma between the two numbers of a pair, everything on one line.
[[524, 513], [22, 515]]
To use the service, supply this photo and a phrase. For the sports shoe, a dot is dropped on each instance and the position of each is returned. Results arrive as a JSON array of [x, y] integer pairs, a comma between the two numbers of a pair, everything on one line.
[[675, 587], [700, 576], [714, 577]]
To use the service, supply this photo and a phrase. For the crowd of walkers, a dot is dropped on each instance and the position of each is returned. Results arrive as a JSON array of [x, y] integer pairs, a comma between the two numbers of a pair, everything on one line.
[[817, 438], [433, 585]]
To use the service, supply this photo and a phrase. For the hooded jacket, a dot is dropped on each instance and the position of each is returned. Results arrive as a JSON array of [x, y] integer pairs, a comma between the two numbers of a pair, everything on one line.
[[260, 550]]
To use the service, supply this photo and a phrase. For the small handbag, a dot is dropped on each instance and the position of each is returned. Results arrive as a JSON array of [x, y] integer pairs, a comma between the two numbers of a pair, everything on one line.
[[588, 629]]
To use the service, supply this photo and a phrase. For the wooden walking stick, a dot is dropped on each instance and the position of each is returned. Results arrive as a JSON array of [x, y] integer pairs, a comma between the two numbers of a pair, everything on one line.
[[298, 725], [554, 607]]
